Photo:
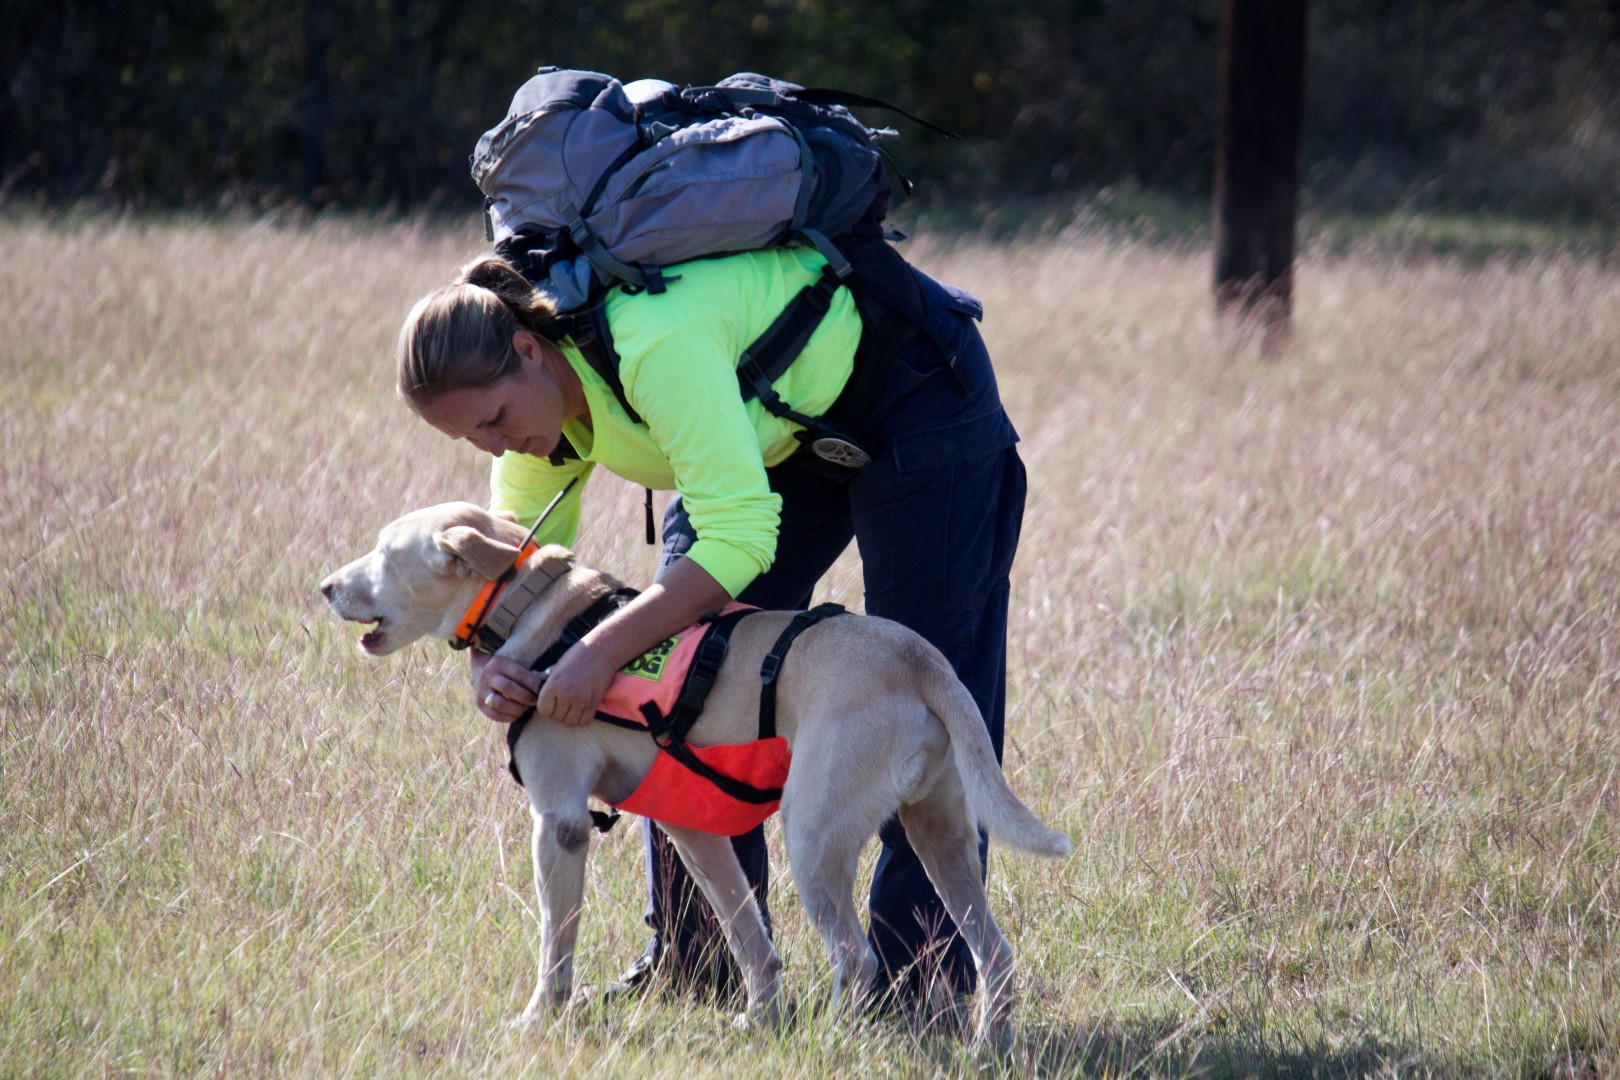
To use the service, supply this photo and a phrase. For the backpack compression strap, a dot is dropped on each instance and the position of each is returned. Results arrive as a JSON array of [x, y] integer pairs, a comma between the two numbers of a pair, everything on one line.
[[735, 96]]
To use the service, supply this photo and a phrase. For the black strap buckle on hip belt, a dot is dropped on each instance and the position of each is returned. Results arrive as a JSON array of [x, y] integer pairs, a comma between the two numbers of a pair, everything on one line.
[[774, 350], [894, 315]]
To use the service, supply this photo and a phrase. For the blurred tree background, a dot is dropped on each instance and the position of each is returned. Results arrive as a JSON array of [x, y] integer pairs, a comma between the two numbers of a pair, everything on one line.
[[1512, 105]]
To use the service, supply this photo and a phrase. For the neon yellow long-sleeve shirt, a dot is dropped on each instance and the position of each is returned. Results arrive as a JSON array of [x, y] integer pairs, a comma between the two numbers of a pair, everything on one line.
[[678, 355]]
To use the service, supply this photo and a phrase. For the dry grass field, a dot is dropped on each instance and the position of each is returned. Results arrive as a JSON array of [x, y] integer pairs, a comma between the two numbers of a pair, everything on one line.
[[1317, 658]]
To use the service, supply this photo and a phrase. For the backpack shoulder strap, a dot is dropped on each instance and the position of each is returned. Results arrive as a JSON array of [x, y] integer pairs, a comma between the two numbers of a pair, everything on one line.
[[590, 333]]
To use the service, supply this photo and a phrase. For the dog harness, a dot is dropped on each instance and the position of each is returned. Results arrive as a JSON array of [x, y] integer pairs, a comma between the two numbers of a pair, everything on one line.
[[725, 789]]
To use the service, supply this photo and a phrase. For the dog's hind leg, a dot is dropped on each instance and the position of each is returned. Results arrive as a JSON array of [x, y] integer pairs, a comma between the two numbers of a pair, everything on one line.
[[824, 873], [939, 827], [713, 865], [561, 839]]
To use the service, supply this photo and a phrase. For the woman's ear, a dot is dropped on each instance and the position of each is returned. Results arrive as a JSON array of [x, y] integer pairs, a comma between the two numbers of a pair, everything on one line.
[[527, 344]]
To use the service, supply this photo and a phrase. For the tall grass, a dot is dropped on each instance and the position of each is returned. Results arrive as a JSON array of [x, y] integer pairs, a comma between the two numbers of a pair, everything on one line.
[[1317, 658]]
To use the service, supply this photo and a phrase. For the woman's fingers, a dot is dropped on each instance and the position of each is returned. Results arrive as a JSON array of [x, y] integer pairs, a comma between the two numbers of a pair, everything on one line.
[[574, 687], [504, 690], [564, 707]]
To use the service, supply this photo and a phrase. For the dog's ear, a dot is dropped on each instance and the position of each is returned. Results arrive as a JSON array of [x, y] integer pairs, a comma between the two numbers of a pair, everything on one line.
[[474, 554]]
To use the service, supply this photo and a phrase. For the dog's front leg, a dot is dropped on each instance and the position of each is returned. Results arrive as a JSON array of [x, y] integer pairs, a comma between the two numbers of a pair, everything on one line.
[[712, 862], [561, 840]]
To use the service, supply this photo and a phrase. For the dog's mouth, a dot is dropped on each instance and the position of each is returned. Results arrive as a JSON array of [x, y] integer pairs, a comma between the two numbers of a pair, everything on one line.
[[372, 639]]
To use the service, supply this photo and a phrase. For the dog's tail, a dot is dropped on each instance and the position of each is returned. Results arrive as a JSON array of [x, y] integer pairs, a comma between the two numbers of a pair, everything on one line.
[[997, 809]]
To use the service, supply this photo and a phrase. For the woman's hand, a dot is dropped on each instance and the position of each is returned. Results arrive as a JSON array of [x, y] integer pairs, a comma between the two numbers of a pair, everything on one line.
[[503, 689], [576, 685], [572, 689]]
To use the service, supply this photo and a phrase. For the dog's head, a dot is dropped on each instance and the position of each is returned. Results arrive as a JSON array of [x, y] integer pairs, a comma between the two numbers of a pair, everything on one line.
[[424, 572]]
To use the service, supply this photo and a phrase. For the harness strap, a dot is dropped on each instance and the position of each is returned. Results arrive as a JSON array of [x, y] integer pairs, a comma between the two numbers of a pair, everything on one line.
[[681, 752], [582, 624], [669, 730], [699, 680], [577, 627], [772, 665]]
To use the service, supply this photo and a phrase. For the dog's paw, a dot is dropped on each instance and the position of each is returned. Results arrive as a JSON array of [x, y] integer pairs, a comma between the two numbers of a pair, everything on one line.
[[542, 1007], [762, 1018], [759, 1027], [526, 1022]]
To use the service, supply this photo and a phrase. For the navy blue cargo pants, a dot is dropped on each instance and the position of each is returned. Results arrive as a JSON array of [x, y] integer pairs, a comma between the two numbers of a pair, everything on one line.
[[936, 516]]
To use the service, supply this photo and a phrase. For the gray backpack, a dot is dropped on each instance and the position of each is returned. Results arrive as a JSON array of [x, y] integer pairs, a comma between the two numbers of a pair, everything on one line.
[[589, 184]]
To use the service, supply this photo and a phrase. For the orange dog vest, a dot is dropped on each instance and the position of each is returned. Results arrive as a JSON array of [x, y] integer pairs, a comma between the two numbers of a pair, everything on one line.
[[726, 789], [650, 687]]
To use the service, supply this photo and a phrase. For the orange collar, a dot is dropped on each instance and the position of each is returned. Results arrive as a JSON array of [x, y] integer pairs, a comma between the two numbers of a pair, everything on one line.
[[484, 602]]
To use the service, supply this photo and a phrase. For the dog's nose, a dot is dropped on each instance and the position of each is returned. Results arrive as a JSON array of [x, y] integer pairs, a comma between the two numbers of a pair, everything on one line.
[[326, 588]]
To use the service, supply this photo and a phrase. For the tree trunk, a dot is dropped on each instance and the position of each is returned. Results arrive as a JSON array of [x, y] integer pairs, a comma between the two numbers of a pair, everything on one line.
[[1258, 109], [317, 39]]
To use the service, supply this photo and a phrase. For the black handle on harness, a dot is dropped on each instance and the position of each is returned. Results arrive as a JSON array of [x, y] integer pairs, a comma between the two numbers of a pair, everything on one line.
[[772, 665]]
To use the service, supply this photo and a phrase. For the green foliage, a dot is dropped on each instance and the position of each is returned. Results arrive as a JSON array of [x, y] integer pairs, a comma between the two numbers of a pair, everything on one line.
[[376, 103]]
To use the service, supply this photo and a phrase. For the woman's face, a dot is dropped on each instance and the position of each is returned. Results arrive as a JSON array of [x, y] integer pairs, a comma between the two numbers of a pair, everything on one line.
[[521, 413]]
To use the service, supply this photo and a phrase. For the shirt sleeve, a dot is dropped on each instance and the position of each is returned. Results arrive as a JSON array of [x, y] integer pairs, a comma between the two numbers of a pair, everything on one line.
[[524, 486], [684, 385]]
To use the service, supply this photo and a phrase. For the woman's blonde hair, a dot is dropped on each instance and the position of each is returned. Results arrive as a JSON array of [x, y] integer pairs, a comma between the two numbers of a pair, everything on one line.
[[460, 335]]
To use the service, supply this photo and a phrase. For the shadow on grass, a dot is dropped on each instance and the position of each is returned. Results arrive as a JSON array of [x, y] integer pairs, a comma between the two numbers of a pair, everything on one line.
[[1169, 1047]]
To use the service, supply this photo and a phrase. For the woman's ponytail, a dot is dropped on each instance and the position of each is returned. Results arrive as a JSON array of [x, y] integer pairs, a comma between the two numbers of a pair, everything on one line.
[[461, 335]]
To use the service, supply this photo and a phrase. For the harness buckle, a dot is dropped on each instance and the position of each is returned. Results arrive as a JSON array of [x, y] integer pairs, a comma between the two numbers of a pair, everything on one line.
[[705, 668]]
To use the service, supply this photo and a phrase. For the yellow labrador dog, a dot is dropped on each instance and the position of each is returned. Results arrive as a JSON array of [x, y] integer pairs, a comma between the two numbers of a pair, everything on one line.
[[876, 720]]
